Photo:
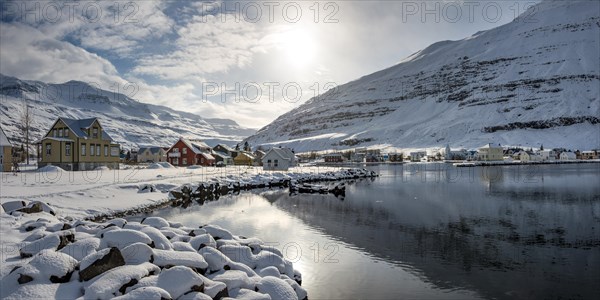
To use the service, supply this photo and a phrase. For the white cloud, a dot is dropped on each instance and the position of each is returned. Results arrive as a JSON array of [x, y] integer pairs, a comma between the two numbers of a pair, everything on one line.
[[30, 54]]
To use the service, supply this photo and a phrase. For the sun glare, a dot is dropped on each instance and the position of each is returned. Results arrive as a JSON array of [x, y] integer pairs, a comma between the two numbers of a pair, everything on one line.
[[299, 47]]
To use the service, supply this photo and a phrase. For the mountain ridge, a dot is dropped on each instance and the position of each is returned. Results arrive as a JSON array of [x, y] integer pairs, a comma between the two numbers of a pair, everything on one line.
[[532, 81], [130, 122]]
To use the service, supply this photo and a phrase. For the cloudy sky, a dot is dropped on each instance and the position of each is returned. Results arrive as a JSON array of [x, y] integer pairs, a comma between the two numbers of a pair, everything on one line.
[[243, 60]]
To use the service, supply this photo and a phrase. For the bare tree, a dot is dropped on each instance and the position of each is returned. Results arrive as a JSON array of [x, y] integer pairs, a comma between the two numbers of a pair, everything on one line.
[[26, 120]]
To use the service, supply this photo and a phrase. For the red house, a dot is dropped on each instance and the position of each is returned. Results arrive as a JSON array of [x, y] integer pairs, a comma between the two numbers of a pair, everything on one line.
[[190, 152]]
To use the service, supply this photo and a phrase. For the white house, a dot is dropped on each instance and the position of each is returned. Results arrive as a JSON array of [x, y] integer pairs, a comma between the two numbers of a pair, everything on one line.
[[567, 155], [490, 152], [151, 154], [280, 159], [547, 155]]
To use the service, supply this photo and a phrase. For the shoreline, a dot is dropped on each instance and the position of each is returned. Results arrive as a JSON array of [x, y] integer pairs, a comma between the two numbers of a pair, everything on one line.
[[519, 163]]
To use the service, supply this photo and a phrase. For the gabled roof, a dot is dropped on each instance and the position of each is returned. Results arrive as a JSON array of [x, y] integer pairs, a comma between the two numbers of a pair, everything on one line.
[[244, 154], [221, 154], [76, 126], [208, 156], [226, 147], [153, 150], [197, 146], [283, 153], [490, 145], [4, 139]]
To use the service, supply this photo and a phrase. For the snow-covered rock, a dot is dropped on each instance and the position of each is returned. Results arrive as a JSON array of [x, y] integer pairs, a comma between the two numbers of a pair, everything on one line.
[[99, 262], [115, 281], [155, 222], [123, 238], [150, 292], [276, 288], [180, 280]]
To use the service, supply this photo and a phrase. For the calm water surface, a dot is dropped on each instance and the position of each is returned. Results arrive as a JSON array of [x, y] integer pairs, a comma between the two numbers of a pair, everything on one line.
[[432, 231]]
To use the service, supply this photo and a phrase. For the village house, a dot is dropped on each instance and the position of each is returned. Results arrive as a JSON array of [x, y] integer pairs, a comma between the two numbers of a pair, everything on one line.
[[243, 158], [333, 157], [490, 152], [567, 155], [547, 155], [6, 152], [152, 154], [416, 156], [280, 159], [78, 144], [190, 152], [589, 155], [226, 149], [222, 158]]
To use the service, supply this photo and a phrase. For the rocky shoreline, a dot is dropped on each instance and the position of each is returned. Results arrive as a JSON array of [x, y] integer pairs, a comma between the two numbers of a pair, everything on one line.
[[104, 256]]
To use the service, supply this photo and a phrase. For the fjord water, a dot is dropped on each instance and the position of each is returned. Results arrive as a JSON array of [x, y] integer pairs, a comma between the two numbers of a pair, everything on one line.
[[431, 231]]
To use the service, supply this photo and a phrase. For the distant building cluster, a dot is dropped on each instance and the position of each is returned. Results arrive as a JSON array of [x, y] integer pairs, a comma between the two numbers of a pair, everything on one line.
[[83, 144]]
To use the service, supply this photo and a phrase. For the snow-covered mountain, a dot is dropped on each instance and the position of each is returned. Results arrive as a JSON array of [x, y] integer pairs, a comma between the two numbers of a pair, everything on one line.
[[130, 122], [532, 81]]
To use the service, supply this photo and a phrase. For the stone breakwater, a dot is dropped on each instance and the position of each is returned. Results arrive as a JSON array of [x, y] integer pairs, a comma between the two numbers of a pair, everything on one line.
[[151, 259]]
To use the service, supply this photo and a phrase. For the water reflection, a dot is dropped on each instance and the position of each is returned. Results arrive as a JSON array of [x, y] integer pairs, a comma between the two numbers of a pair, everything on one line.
[[433, 231]]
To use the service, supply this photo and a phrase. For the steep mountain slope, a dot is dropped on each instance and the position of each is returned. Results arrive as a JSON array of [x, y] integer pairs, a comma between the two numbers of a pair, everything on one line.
[[534, 80], [129, 122]]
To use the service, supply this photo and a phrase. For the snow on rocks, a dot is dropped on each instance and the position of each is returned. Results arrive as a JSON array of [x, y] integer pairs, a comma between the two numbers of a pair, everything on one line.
[[115, 281], [123, 237], [152, 259], [180, 280]]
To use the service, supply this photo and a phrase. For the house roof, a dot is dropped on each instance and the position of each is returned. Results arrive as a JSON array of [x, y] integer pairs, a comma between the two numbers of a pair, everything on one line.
[[226, 147], [283, 153], [57, 139], [490, 145], [197, 146], [221, 154], [4, 139], [153, 150], [207, 156], [248, 155], [76, 126]]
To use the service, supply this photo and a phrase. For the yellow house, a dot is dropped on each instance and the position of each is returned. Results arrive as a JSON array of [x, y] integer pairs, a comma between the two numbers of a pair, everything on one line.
[[75, 145], [6, 152], [243, 159], [490, 152]]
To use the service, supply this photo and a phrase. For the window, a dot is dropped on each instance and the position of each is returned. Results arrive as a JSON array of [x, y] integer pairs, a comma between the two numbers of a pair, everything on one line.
[[54, 132], [176, 161], [276, 162], [114, 151], [60, 132], [48, 149], [92, 148], [184, 150], [97, 150], [83, 149], [106, 150], [95, 132], [176, 150], [67, 149], [66, 132], [184, 160], [268, 162]]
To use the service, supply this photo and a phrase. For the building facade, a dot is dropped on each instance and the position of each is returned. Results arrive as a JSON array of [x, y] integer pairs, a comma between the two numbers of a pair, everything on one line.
[[6, 152], [278, 159], [190, 152], [77, 145], [151, 154], [490, 152]]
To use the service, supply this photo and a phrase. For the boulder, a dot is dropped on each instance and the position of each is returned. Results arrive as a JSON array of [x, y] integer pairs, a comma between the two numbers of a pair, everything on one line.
[[115, 281], [100, 262], [155, 222], [180, 280], [13, 205], [122, 238], [276, 288], [146, 293]]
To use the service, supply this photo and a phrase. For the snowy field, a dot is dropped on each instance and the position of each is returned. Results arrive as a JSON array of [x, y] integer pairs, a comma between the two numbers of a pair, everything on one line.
[[88, 193], [46, 254]]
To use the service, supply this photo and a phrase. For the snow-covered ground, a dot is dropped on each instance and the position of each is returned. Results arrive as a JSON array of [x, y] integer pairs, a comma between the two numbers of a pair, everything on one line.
[[47, 247], [88, 193]]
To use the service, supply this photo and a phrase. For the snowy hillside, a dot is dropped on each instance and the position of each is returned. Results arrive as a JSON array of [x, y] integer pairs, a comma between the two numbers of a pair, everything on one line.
[[534, 80], [129, 122]]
